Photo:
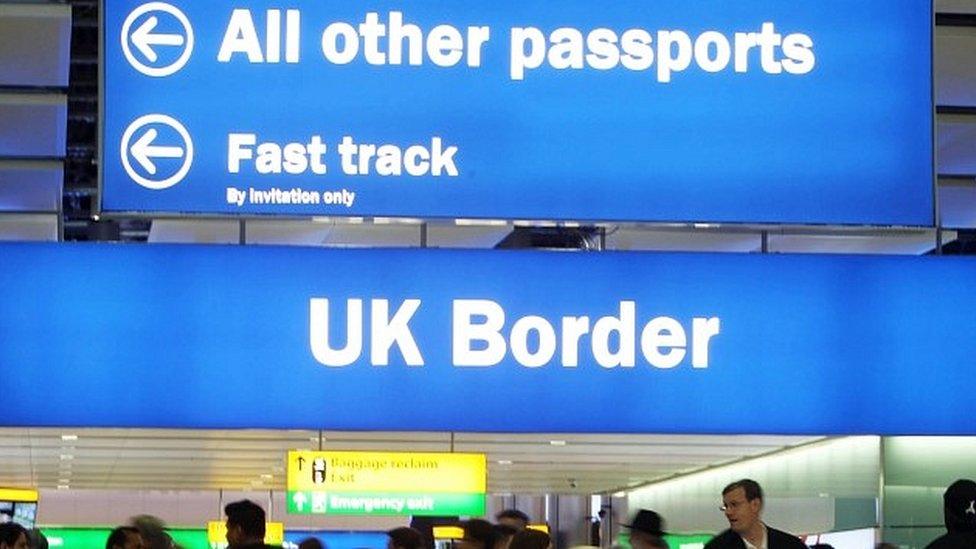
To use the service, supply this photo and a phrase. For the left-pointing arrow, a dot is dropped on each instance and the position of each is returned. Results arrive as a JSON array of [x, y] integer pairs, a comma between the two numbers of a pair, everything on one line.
[[143, 151], [144, 39]]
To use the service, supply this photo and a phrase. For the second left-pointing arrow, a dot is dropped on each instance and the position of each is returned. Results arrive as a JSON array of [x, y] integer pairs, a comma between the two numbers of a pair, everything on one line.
[[143, 151], [138, 149]]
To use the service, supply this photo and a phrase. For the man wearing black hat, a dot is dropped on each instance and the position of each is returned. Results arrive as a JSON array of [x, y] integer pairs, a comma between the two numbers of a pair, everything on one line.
[[647, 531], [960, 517], [742, 503]]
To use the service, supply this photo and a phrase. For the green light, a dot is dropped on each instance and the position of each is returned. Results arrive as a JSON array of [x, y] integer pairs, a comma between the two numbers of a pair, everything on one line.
[[387, 504], [95, 538]]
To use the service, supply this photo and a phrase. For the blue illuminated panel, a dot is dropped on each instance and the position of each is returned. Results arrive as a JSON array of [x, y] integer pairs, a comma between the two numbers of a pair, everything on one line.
[[242, 337], [813, 111]]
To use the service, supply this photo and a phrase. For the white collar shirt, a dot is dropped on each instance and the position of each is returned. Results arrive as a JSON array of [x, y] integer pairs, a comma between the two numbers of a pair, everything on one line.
[[763, 543]]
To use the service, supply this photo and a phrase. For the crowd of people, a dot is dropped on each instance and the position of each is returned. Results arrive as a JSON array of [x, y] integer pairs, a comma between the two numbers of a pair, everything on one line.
[[742, 503]]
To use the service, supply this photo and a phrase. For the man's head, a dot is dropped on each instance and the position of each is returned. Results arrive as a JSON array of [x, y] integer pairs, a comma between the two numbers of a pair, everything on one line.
[[478, 534], [13, 536], [742, 502], [514, 518], [405, 538], [530, 539], [153, 532], [647, 530], [960, 506], [503, 535], [124, 537], [245, 522], [311, 543]]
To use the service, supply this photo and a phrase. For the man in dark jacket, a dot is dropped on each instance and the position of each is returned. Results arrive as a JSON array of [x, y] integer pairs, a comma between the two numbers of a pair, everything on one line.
[[245, 525], [960, 517], [742, 502]]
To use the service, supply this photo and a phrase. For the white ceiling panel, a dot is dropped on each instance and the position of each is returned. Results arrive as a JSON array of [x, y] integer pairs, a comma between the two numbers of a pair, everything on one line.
[[955, 6], [955, 77], [894, 243], [33, 125], [957, 144], [35, 43], [28, 227], [467, 235], [30, 186], [211, 460], [195, 231], [652, 239], [958, 205]]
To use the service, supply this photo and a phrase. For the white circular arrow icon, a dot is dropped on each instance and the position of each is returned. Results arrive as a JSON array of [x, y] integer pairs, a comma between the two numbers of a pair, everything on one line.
[[146, 40], [145, 152]]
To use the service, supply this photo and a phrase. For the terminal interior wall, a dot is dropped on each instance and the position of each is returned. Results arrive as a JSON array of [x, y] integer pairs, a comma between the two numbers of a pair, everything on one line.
[[917, 472], [826, 486]]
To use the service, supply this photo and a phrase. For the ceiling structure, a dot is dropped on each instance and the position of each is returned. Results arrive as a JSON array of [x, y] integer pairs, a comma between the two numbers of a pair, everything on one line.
[[255, 459]]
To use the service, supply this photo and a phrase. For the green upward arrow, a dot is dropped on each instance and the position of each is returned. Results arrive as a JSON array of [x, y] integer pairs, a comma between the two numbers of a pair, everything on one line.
[[299, 498]]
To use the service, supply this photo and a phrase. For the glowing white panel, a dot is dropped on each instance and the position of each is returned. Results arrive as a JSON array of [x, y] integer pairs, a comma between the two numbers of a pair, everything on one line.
[[35, 44], [30, 186], [33, 124]]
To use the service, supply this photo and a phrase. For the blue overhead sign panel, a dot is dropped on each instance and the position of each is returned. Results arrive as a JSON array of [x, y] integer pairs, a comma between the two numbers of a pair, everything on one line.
[[810, 111], [248, 337]]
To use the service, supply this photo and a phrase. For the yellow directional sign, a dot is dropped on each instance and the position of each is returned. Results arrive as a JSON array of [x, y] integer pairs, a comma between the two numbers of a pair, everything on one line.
[[448, 532], [386, 472], [274, 532], [17, 494]]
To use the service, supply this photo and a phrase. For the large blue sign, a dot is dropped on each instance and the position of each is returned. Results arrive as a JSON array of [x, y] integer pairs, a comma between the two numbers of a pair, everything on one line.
[[236, 337], [800, 111]]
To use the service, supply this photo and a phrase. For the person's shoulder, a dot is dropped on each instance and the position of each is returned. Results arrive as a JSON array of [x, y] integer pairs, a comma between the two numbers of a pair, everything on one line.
[[953, 540], [723, 540], [941, 542], [779, 539]]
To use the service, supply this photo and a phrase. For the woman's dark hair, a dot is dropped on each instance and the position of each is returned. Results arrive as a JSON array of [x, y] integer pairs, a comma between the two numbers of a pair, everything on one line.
[[120, 535], [10, 532]]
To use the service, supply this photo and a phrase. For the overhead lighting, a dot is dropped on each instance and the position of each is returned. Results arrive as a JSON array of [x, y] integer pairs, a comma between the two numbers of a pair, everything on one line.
[[557, 442], [69, 438], [480, 222], [620, 494], [504, 462], [64, 481], [67, 457], [63, 487], [267, 477]]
